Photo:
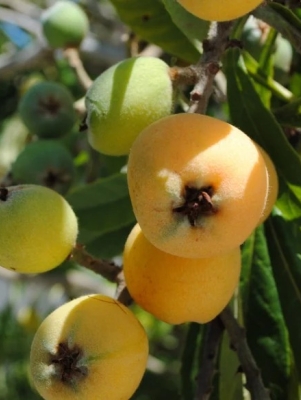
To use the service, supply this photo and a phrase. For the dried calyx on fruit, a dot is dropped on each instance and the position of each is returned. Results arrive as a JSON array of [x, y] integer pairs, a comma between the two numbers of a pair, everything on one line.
[[205, 189], [47, 110], [47, 163], [72, 358]]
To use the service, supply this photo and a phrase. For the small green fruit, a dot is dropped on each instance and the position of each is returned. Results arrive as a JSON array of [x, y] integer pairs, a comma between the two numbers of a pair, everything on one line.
[[47, 110], [64, 24], [47, 163], [38, 228], [124, 100]]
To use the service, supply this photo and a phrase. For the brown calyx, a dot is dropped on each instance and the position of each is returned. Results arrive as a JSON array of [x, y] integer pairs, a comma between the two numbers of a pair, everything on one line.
[[66, 360], [197, 203], [3, 194], [52, 178], [49, 105]]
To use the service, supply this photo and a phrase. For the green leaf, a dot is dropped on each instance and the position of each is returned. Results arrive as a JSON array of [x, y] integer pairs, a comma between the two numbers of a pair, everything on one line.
[[250, 115], [288, 201], [102, 207], [287, 15], [290, 114], [195, 29], [266, 64], [230, 381], [150, 20], [105, 218], [188, 366], [283, 20], [262, 314], [284, 242], [276, 88], [100, 192], [110, 244]]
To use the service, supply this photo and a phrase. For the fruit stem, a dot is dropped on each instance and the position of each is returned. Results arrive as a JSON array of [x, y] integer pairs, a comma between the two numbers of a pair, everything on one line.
[[209, 65], [239, 342]]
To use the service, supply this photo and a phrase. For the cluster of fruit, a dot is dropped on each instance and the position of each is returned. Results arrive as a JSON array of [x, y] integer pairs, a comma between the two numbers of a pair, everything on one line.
[[46, 109], [198, 186]]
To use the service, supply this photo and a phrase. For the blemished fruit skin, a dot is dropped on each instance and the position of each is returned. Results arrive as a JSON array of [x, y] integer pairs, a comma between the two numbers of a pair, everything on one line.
[[120, 103], [176, 289], [219, 10], [107, 344], [198, 185], [39, 228], [64, 24], [47, 163], [273, 185], [47, 110]]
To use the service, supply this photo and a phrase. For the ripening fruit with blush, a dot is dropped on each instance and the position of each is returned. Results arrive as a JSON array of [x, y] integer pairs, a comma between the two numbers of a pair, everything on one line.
[[219, 10], [47, 110], [90, 348], [198, 185], [177, 289], [64, 24], [38, 228], [47, 163], [273, 185], [125, 99]]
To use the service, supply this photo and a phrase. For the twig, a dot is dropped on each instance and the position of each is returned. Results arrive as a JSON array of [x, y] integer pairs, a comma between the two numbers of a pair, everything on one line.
[[209, 355], [209, 65], [238, 339], [75, 62], [107, 269]]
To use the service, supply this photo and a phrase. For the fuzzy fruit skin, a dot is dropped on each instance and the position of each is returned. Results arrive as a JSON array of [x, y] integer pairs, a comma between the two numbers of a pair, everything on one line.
[[219, 10], [273, 185], [176, 289], [193, 150], [47, 163], [39, 229], [120, 103], [113, 344], [47, 110], [64, 24]]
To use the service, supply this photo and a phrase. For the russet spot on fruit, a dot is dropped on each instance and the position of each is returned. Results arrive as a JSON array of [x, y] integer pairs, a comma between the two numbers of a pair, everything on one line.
[[90, 348], [198, 185], [177, 289], [219, 10], [120, 103], [38, 228]]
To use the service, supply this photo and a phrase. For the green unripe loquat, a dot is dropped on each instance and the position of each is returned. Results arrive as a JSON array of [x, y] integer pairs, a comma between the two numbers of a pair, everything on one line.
[[125, 99], [38, 228], [47, 163], [47, 110], [64, 24]]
